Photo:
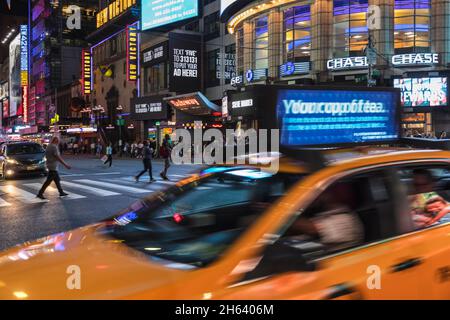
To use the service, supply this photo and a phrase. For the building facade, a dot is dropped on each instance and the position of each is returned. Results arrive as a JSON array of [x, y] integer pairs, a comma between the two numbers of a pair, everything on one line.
[[56, 43], [343, 42]]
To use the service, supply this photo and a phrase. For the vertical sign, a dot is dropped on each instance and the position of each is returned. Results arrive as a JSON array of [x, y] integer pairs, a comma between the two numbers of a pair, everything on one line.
[[24, 69], [132, 53], [86, 68]]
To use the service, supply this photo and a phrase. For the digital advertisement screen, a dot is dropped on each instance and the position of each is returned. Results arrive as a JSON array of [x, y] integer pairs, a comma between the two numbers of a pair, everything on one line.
[[333, 117], [157, 13], [422, 92]]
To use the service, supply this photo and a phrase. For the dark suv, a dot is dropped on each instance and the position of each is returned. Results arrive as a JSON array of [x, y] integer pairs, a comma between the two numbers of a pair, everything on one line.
[[22, 158]]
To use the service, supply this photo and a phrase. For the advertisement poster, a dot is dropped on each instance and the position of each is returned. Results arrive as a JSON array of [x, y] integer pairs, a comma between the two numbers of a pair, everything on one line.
[[423, 92], [184, 63], [157, 13], [15, 89], [327, 117], [148, 108]]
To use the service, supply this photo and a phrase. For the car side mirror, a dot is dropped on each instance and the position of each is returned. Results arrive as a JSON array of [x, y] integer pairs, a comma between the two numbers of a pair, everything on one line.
[[281, 258]]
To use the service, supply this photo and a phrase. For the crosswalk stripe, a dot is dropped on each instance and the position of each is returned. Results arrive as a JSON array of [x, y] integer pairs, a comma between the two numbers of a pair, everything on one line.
[[99, 192], [71, 196], [21, 195], [113, 186], [165, 182], [179, 175], [3, 203]]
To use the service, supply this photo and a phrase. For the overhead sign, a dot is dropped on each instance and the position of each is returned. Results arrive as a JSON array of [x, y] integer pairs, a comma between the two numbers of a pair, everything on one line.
[[415, 59], [113, 10], [347, 63], [155, 54], [193, 104], [86, 69], [184, 63], [157, 13], [132, 52], [242, 104], [148, 108], [291, 68], [330, 117]]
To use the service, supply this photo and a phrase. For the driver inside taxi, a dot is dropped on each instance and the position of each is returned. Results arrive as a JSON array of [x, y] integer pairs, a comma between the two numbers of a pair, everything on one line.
[[336, 226], [427, 206]]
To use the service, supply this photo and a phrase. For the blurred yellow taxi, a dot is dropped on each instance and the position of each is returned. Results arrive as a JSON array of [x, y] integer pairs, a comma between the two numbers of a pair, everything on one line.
[[344, 230]]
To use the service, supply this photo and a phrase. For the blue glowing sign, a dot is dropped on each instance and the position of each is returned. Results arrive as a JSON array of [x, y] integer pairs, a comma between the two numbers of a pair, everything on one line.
[[327, 117], [157, 13]]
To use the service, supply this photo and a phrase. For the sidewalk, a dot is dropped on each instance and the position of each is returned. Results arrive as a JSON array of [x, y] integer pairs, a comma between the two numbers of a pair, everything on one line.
[[87, 156]]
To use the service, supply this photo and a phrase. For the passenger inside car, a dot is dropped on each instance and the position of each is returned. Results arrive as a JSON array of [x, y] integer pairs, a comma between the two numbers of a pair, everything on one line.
[[427, 206], [336, 225]]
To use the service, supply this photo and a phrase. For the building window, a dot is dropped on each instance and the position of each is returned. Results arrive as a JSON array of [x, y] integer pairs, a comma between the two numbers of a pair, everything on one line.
[[229, 63], [350, 27], [212, 68], [297, 33], [193, 26], [261, 43], [155, 78], [211, 25], [412, 26], [240, 50]]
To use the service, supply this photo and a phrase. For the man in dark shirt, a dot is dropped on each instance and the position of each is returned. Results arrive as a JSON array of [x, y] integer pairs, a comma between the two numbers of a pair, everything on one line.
[[147, 161], [53, 158]]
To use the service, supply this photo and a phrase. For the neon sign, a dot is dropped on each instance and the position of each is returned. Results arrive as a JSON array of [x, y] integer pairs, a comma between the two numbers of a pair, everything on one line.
[[24, 69], [86, 68], [114, 10], [132, 53], [347, 63]]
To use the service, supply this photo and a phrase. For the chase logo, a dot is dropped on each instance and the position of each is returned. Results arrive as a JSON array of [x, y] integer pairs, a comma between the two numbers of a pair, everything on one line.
[[287, 69], [249, 75]]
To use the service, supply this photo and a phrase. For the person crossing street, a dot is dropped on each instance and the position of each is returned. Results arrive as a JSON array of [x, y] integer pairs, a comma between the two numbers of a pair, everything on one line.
[[53, 158], [147, 161], [109, 155], [165, 153]]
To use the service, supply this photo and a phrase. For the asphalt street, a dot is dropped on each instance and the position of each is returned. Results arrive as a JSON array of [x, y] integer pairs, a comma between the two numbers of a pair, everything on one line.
[[95, 193]]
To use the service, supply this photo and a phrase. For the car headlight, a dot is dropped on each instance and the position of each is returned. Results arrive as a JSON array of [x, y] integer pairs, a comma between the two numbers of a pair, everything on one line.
[[12, 161]]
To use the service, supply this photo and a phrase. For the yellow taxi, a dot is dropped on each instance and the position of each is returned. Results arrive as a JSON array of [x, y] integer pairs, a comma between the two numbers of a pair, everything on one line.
[[349, 229]]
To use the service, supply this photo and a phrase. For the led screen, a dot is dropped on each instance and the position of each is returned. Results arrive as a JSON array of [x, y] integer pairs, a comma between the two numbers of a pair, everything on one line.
[[422, 92], [157, 13], [333, 117]]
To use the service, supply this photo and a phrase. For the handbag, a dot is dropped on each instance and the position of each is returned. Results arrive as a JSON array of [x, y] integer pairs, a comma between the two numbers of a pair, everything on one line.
[[104, 158]]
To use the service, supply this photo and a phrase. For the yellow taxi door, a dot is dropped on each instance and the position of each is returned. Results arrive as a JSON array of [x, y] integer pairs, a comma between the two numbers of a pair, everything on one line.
[[434, 250]]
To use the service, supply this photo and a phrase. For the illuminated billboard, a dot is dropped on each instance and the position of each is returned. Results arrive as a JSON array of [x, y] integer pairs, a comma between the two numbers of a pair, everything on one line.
[[15, 89], [422, 92], [333, 117], [24, 70], [157, 13]]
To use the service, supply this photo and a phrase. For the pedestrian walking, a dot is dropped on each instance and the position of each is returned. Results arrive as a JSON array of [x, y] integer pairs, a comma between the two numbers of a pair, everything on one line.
[[165, 151], [140, 149], [147, 161], [93, 147], [109, 155], [53, 158]]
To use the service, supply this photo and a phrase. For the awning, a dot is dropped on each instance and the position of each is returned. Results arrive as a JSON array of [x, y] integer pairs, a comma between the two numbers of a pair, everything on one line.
[[195, 104]]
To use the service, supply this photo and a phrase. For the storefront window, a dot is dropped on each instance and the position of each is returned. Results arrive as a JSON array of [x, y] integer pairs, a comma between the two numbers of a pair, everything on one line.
[[350, 27], [262, 42], [297, 33], [412, 26], [156, 78]]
